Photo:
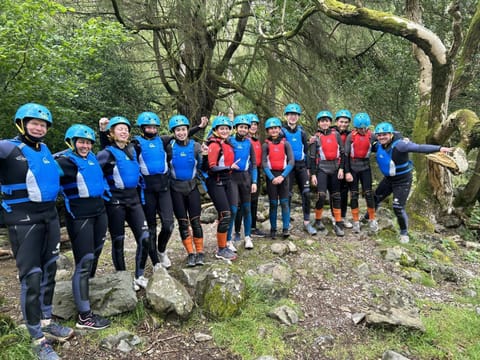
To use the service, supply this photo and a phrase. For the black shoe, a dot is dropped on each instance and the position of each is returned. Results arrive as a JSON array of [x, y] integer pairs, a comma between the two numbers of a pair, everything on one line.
[[92, 321], [319, 225], [338, 228], [191, 260], [273, 234], [258, 233], [285, 233], [200, 259]]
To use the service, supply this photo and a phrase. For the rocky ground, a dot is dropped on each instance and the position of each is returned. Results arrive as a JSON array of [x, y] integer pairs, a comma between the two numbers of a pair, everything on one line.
[[335, 278]]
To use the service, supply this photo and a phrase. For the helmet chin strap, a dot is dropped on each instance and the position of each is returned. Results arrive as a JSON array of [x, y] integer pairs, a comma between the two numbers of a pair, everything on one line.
[[23, 130]]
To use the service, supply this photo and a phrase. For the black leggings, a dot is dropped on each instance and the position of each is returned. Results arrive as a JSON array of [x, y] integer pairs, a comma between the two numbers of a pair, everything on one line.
[[187, 208], [221, 195]]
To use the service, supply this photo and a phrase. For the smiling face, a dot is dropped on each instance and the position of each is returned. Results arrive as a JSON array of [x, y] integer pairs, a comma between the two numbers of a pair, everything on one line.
[[324, 123], [342, 123], [180, 132], [384, 138], [83, 146], [253, 128], [223, 131], [36, 128], [292, 119], [150, 129], [273, 132], [120, 133], [242, 130]]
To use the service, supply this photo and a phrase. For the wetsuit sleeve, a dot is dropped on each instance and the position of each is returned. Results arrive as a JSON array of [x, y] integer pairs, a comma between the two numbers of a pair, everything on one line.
[[290, 160], [266, 169], [408, 146], [165, 140], [104, 142], [347, 150], [341, 149], [253, 163], [312, 156], [305, 147], [194, 130], [6, 148]]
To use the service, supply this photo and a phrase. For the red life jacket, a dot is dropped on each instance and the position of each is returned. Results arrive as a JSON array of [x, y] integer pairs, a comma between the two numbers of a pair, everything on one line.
[[329, 148], [361, 145], [257, 147], [277, 157], [226, 156]]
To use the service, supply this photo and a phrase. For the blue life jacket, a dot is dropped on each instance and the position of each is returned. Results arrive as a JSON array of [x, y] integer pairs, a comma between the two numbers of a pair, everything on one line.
[[295, 141], [42, 180], [183, 163], [387, 164], [153, 158], [241, 149], [126, 173], [89, 182]]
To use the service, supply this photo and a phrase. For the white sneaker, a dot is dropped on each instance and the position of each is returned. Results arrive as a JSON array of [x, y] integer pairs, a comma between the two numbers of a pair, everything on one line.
[[157, 266], [347, 224], [248, 242], [356, 227], [135, 286], [404, 239], [373, 225], [231, 246], [141, 281], [164, 260]]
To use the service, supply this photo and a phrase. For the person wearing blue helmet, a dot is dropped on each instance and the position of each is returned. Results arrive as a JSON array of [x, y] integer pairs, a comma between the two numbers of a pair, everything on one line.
[[343, 118], [185, 160], [219, 164], [327, 162], [83, 187], [297, 139], [244, 180], [358, 147], [30, 182], [392, 154], [120, 167], [277, 162]]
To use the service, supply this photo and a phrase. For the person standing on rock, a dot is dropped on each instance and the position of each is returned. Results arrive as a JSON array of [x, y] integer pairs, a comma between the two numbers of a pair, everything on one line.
[[277, 161], [185, 160], [219, 164], [30, 183], [121, 169], [83, 188], [394, 163]]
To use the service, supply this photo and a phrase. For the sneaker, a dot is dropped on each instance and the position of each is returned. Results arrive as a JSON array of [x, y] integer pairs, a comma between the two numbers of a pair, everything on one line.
[[92, 321], [237, 237], [45, 351], [157, 266], [319, 225], [231, 246], [347, 224], [273, 234], [248, 242], [285, 233], [141, 281], [57, 332], [135, 286], [200, 259], [164, 260], [258, 233], [338, 228], [356, 227], [373, 225], [404, 239], [225, 254], [191, 260], [310, 229]]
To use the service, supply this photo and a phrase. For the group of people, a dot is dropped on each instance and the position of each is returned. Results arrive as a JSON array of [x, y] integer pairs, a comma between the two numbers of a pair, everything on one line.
[[132, 180]]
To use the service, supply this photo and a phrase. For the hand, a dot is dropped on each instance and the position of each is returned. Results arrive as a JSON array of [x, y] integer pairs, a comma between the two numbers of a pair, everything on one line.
[[446, 150], [314, 180], [203, 122], [349, 177], [204, 149], [253, 188], [102, 123], [278, 180], [312, 139], [235, 166], [340, 174]]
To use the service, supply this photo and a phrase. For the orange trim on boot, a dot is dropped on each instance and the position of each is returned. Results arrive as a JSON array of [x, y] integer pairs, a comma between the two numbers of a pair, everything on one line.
[[356, 214], [222, 240], [198, 244], [337, 214], [371, 213], [318, 214], [187, 243]]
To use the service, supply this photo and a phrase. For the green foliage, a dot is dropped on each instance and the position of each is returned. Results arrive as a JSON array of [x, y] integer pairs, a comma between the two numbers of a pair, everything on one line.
[[14, 341]]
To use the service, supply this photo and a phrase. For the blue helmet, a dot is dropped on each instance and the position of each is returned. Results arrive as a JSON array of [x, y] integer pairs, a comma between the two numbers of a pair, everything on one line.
[[148, 118], [178, 120], [79, 131], [241, 120], [221, 120], [384, 127], [253, 118], [324, 113], [118, 120], [293, 108], [32, 110], [361, 121], [272, 122], [343, 113]]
